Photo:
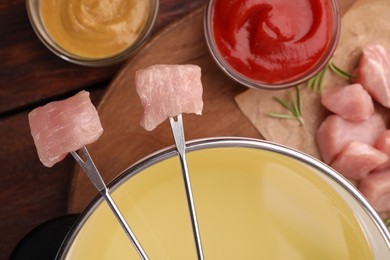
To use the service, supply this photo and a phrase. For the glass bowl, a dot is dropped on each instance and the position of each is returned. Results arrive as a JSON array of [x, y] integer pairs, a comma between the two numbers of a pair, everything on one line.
[[254, 200], [256, 45], [77, 27]]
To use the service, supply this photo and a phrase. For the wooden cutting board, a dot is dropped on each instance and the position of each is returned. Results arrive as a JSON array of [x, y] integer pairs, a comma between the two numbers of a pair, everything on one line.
[[124, 142]]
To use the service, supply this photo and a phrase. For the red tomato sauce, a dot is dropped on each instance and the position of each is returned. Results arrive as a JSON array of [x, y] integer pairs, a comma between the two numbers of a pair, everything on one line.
[[272, 41]]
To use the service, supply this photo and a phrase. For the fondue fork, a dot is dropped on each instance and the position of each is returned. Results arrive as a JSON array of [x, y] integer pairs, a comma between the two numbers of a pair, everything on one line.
[[178, 135], [93, 174]]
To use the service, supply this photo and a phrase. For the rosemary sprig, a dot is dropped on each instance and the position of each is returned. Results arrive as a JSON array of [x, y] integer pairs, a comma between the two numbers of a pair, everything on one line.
[[315, 83], [294, 107], [342, 73]]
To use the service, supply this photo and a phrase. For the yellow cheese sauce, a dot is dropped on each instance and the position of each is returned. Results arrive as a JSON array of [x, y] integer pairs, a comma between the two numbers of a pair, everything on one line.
[[251, 204], [94, 28]]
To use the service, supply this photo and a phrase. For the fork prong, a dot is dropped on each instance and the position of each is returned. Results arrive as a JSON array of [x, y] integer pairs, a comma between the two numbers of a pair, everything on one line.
[[178, 133], [90, 169]]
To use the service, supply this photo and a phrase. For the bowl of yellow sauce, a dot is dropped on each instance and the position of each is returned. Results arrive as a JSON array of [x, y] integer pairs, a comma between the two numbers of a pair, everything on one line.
[[93, 32], [254, 200]]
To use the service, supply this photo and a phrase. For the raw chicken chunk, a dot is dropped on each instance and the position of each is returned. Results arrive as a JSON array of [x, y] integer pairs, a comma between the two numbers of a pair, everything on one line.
[[374, 73], [335, 133], [357, 160], [383, 144], [167, 91], [64, 126], [376, 188], [351, 102]]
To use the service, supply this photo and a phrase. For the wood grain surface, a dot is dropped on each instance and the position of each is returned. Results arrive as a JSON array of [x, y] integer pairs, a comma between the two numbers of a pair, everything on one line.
[[125, 142], [30, 73], [30, 76]]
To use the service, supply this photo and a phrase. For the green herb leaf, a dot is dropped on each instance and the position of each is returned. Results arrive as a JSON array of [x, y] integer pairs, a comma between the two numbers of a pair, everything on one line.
[[315, 83], [282, 116], [299, 100], [340, 72], [282, 103], [295, 103], [294, 106]]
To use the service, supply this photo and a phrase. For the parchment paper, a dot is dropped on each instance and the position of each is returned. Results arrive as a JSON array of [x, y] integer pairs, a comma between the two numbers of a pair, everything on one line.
[[364, 21]]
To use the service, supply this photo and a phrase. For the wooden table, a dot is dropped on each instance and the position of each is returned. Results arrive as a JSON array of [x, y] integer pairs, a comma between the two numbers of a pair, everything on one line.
[[30, 75]]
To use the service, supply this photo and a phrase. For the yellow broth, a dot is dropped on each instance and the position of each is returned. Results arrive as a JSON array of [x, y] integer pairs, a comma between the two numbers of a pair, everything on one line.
[[251, 204]]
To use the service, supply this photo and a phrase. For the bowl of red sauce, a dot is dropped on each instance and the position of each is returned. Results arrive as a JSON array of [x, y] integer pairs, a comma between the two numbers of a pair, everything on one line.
[[272, 44]]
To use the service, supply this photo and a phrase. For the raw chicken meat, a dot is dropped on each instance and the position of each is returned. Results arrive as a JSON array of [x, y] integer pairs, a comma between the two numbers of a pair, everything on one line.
[[376, 188], [374, 73], [167, 91], [335, 133], [357, 160], [383, 144], [351, 102], [64, 126]]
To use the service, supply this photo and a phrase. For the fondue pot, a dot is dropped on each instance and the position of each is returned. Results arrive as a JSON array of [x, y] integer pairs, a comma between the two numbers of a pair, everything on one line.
[[254, 200]]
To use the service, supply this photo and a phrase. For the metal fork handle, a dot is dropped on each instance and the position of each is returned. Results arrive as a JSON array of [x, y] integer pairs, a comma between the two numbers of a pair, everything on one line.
[[93, 174], [178, 135]]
